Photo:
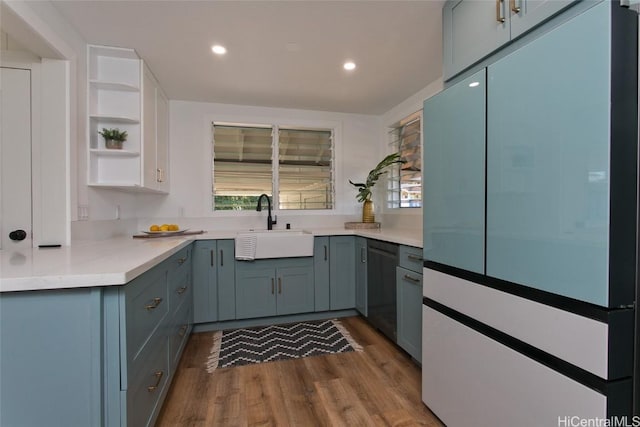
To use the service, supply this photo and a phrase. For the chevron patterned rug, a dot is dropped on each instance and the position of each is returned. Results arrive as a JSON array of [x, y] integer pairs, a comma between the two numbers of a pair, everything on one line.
[[279, 342]]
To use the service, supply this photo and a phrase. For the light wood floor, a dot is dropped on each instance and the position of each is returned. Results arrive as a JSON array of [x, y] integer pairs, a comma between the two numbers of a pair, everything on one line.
[[377, 387]]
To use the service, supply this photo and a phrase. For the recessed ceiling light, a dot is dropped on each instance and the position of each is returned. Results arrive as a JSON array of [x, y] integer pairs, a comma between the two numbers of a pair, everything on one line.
[[474, 84], [349, 65], [219, 49]]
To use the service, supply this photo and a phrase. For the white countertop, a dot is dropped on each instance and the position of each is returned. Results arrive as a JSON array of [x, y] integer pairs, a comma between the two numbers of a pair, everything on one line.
[[119, 260]]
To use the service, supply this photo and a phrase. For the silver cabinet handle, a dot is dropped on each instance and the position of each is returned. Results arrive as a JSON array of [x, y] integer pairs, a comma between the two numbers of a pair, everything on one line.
[[183, 330], [499, 16], [325, 252], [158, 376], [512, 5], [181, 290], [411, 279], [414, 257], [279, 285], [363, 257], [154, 304], [213, 258], [181, 260], [221, 258]]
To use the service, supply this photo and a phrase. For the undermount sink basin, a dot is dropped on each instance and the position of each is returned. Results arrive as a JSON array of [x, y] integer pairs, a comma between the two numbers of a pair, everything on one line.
[[280, 243]]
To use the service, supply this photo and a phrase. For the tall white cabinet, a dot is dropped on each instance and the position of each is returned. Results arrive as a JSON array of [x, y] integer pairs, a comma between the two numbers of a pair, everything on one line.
[[124, 94]]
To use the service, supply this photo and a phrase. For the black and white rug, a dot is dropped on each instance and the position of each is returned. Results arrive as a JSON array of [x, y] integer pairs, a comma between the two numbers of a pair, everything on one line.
[[279, 342]]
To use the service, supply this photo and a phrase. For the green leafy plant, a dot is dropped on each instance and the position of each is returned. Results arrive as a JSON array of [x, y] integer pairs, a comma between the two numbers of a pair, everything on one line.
[[364, 188], [114, 134]]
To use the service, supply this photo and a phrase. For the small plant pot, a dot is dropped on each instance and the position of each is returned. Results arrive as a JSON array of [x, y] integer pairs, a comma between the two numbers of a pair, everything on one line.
[[112, 144], [367, 212]]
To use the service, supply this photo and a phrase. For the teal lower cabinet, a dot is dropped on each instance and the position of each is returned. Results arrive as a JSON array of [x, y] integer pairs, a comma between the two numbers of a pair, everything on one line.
[[321, 272], [342, 272], [409, 297], [274, 287], [152, 334], [102, 356], [361, 275], [50, 370], [214, 281]]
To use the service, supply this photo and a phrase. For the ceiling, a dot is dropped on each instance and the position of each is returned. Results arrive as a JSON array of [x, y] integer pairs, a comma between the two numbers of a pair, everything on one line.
[[286, 54]]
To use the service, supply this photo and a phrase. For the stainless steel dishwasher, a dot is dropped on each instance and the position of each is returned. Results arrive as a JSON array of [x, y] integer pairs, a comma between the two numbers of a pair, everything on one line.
[[382, 260]]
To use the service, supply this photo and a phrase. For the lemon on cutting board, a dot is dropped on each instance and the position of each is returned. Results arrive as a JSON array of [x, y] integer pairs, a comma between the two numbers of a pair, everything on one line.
[[164, 227]]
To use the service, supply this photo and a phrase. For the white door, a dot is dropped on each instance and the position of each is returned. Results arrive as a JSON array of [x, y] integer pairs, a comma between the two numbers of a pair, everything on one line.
[[15, 159]]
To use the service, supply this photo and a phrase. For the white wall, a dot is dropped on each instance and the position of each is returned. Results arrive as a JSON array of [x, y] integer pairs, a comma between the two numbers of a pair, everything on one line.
[[356, 152]]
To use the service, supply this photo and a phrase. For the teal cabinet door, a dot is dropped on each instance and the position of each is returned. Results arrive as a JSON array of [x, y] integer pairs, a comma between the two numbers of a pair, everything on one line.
[[50, 369], [205, 282], [226, 277], [214, 281], [295, 292], [548, 186], [471, 30], [321, 272], [361, 275], [409, 296], [342, 274], [255, 289], [526, 14], [454, 175], [274, 287]]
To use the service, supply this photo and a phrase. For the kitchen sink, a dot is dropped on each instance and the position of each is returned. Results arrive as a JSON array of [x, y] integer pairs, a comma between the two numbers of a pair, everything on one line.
[[274, 244]]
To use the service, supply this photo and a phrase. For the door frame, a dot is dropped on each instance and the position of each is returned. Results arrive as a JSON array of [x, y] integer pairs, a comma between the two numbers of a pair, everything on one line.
[[31, 62], [36, 27]]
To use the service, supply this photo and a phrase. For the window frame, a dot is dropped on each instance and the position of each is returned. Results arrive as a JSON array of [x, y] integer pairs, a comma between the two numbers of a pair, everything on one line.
[[335, 127], [394, 180]]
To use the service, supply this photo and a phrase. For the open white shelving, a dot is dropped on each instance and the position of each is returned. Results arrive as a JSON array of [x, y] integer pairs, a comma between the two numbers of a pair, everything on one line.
[[118, 97]]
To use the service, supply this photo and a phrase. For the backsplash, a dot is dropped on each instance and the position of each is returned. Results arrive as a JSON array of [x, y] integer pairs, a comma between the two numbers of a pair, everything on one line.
[[106, 229], [241, 222], [102, 229]]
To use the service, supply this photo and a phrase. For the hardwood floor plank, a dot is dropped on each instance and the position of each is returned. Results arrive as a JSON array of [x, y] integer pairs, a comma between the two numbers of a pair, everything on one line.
[[380, 386], [264, 397], [302, 403], [342, 404]]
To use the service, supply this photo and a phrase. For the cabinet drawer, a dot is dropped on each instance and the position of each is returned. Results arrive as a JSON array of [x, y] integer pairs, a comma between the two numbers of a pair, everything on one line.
[[180, 290], [146, 307], [409, 298], [180, 262], [410, 258], [457, 359], [149, 376], [178, 332]]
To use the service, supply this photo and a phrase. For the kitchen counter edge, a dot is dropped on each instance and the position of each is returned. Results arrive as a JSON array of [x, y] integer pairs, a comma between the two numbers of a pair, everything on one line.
[[117, 261]]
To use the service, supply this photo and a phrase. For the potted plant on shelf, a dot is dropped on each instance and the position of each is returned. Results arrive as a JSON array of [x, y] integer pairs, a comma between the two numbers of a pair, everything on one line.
[[113, 138], [364, 188]]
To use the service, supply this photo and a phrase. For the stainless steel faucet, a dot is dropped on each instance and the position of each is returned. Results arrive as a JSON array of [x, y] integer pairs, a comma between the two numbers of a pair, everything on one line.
[[270, 221]]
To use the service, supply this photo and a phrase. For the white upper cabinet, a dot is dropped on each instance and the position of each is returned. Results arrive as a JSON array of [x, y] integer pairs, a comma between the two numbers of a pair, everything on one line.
[[123, 94], [155, 133], [473, 29]]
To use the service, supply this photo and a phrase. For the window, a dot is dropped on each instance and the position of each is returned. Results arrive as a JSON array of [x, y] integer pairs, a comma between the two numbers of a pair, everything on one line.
[[245, 160], [304, 172], [405, 180]]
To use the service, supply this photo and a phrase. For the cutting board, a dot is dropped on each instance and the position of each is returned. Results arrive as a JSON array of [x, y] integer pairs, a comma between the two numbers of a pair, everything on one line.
[[155, 236]]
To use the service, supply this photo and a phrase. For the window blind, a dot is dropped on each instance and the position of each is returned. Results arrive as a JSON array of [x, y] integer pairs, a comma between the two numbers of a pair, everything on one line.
[[242, 158], [305, 169], [405, 181]]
